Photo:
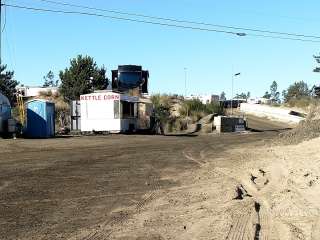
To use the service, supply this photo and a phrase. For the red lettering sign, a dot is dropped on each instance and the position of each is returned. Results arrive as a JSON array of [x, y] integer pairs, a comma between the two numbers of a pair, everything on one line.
[[99, 97]]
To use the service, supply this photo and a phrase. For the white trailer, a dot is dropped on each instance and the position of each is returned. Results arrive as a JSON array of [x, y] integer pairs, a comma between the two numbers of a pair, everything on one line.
[[108, 111]]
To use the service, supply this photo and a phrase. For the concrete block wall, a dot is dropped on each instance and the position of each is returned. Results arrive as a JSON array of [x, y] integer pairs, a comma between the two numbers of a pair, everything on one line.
[[229, 124]]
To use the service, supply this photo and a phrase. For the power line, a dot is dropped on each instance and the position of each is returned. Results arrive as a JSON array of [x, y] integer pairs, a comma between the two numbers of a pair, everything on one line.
[[179, 20], [1, 31], [5, 20], [241, 34], [121, 18]]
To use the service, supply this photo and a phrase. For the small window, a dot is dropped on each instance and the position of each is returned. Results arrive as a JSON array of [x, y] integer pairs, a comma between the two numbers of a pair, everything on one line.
[[128, 109]]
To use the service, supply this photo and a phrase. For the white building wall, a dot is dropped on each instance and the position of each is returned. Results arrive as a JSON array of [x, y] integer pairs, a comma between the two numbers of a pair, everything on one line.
[[111, 125], [36, 91], [203, 98], [97, 112]]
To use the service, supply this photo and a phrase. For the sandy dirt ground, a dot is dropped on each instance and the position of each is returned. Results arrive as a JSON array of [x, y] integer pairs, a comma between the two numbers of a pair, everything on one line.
[[232, 186], [254, 193]]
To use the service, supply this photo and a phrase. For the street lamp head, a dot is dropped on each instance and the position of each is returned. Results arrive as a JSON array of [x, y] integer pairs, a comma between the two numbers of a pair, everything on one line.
[[241, 34]]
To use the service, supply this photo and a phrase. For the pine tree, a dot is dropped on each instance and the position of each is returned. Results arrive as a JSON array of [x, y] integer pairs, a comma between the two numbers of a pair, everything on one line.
[[82, 77], [49, 80], [7, 83]]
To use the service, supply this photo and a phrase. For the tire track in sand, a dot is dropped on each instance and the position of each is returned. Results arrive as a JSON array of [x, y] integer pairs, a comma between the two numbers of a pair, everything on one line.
[[107, 228]]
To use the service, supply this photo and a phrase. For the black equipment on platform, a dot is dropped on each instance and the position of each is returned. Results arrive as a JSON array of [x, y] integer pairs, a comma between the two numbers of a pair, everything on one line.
[[129, 77]]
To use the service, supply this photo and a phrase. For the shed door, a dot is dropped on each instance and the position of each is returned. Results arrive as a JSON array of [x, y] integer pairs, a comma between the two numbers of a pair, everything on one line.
[[36, 122]]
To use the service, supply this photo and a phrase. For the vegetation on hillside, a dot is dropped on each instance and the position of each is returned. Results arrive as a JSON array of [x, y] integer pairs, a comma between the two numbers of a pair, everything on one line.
[[297, 90], [174, 113], [195, 109], [302, 102]]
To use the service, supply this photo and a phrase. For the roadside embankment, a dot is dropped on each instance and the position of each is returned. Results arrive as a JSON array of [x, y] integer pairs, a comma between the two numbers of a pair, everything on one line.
[[273, 113], [306, 130]]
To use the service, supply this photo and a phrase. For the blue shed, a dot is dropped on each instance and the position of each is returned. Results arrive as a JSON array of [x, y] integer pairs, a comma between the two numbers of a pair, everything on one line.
[[40, 119]]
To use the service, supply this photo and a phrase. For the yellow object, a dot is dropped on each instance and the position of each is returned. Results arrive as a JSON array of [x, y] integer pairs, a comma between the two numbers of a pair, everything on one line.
[[21, 108]]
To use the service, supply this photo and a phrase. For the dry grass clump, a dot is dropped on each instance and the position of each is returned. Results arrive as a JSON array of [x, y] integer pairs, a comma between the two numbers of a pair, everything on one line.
[[62, 108], [302, 102]]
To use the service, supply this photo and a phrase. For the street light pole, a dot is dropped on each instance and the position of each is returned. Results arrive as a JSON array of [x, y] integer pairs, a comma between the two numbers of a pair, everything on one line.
[[185, 92], [185, 82], [91, 82], [232, 94], [233, 75]]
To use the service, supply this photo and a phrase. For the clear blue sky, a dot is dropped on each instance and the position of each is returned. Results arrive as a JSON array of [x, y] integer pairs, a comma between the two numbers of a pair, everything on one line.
[[34, 43]]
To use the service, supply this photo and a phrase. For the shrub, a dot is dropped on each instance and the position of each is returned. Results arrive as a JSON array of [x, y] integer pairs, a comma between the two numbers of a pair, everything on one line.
[[62, 108], [302, 102], [195, 109]]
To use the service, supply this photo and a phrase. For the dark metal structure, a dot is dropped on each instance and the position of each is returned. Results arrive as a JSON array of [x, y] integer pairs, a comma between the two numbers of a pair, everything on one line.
[[75, 116], [5, 113], [128, 77], [317, 91], [234, 103]]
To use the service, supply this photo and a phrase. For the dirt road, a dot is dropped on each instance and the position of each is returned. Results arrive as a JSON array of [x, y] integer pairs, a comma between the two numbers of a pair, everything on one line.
[[53, 188], [115, 187], [264, 124]]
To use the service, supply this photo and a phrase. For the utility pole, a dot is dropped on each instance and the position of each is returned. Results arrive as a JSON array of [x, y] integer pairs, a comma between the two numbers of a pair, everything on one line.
[[232, 94], [0, 31]]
